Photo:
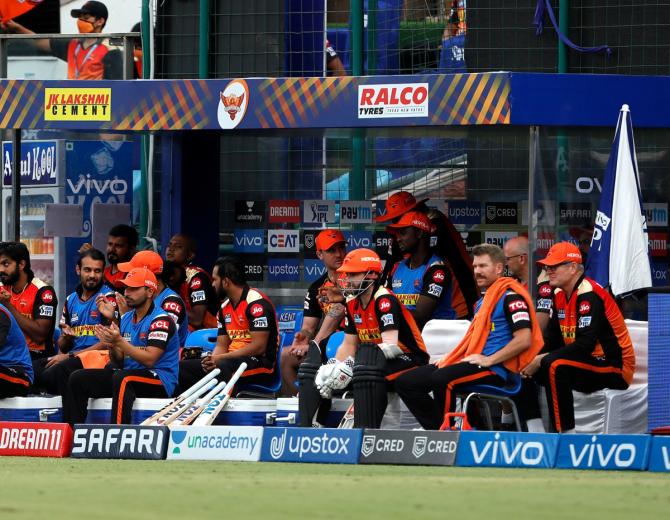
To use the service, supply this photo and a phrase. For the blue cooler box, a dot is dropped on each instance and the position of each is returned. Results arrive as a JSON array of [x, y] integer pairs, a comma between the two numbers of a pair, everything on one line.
[[31, 409], [287, 412], [100, 410], [248, 412]]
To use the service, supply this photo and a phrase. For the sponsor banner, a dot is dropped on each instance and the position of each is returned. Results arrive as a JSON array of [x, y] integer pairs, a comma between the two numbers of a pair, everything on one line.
[[250, 212], [39, 439], [40, 163], [283, 241], [233, 103], [464, 212], [575, 214], [471, 239], [77, 104], [327, 445], [358, 239], [314, 269], [382, 241], [288, 319], [544, 243], [253, 267], [355, 212], [658, 243], [545, 213], [438, 205], [284, 211], [283, 270], [429, 448], [249, 240], [501, 213], [507, 449], [393, 100], [318, 211], [111, 441], [309, 243], [659, 274], [659, 458], [215, 443], [656, 213], [603, 452], [499, 237]]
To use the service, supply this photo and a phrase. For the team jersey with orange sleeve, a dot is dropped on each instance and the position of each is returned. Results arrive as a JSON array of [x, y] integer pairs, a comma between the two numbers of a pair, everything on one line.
[[253, 313], [384, 312], [197, 290], [314, 306], [591, 320], [37, 302]]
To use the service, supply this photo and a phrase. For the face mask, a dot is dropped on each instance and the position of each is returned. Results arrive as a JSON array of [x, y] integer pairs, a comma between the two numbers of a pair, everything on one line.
[[85, 27]]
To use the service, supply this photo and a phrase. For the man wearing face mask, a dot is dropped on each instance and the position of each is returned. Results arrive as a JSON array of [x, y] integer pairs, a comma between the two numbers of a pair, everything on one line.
[[87, 58]]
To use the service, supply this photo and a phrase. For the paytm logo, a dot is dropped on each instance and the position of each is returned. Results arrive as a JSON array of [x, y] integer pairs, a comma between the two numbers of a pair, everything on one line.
[[283, 270], [310, 445], [358, 239], [283, 241], [355, 212], [507, 449], [314, 269], [656, 213], [603, 451], [248, 240]]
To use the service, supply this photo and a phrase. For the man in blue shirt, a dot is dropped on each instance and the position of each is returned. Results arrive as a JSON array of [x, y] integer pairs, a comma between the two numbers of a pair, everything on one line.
[[16, 369]]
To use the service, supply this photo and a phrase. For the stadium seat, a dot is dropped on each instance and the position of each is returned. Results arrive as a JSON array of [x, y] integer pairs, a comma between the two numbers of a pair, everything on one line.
[[442, 336], [487, 393]]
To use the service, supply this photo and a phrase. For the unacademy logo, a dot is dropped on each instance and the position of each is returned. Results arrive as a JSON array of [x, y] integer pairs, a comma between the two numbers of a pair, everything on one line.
[[178, 437]]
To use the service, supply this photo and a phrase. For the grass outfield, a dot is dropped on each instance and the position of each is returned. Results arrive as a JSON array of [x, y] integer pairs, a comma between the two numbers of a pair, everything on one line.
[[53, 489]]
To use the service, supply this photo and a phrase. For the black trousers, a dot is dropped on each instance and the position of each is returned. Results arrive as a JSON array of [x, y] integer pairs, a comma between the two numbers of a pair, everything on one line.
[[259, 371], [414, 388], [123, 386], [54, 379], [13, 382], [568, 369]]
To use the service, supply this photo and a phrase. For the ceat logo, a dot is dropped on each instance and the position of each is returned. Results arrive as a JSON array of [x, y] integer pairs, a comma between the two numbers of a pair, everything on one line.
[[233, 102], [545, 290], [384, 305], [256, 310], [48, 296], [393, 100], [584, 308], [438, 276]]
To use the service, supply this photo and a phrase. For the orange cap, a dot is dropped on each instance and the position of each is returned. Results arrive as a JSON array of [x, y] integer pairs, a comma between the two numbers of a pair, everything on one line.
[[361, 261], [414, 219], [148, 259], [397, 204], [140, 277], [562, 252], [328, 238]]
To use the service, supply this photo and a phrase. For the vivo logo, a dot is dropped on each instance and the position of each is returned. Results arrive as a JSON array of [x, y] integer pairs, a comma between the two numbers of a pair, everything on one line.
[[246, 240], [88, 186], [596, 455], [588, 185], [315, 270], [529, 453]]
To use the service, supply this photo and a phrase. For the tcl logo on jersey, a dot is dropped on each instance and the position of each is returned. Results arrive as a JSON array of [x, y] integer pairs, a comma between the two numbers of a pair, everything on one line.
[[256, 309], [160, 324], [438, 276], [517, 305], [196, 283], [384, 305], [393, 100], [545, 290], [172, 307], [47, 296], [584, 308]]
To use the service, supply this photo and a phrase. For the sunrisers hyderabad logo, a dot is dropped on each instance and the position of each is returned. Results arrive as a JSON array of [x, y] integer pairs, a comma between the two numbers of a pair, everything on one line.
[[233, 103]]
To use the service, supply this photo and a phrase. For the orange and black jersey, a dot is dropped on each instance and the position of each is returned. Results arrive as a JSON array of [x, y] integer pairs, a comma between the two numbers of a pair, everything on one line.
[[313, 306], [197, 290], [114, 279], [37, 302], [591, 321], [384, 312], [101, 60], [253, 313]]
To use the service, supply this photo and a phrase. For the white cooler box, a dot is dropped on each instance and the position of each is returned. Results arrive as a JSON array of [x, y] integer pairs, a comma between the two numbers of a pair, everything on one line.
[[31, 409], [100, 410], [287, 412]]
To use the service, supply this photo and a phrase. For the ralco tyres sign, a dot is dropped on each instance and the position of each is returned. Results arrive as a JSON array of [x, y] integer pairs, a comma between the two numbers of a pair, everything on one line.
[[393, 100]]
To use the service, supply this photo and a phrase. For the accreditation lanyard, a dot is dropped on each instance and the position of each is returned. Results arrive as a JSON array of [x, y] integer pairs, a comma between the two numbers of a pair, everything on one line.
[[78, 66]]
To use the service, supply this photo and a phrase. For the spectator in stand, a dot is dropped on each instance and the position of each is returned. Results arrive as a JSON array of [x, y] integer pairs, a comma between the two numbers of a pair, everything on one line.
[[334, 64], [87, 58]]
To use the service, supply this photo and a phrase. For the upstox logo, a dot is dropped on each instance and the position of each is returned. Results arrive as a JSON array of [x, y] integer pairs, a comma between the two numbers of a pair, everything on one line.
[[311, 445]]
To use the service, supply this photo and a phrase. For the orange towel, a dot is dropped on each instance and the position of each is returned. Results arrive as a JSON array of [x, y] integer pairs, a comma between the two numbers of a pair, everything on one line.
[[478, 332], [94, 358]]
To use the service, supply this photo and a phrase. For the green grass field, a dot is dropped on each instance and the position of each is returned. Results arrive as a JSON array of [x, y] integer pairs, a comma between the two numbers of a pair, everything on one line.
[[52, 489]]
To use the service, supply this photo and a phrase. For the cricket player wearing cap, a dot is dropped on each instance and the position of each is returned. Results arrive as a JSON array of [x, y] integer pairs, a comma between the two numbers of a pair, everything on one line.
[[422, 281], [321, 317], [146, 346], [593, 349], [165, 298], [381, 342]]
